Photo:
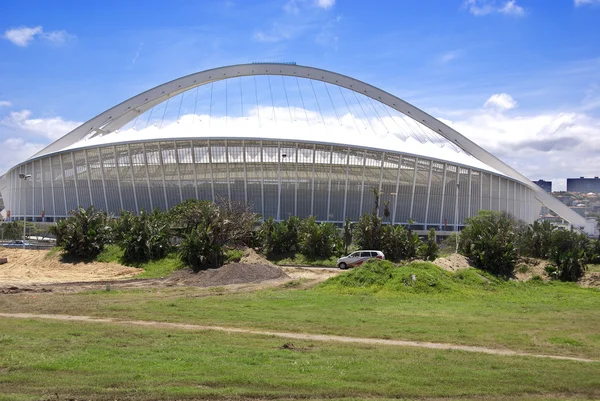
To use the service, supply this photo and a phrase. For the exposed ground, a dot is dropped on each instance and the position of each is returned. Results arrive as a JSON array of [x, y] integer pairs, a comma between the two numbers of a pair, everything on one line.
[[26, 267]]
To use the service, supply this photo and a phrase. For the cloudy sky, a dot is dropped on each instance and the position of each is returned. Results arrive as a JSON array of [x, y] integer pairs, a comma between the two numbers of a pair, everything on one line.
[[519, 77]]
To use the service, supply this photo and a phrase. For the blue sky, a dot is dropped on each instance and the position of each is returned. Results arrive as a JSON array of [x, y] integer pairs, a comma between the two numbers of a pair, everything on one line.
[[520, 77]]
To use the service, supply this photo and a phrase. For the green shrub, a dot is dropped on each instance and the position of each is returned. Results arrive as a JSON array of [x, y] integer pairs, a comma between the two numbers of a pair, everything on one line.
[[200, 249], [368, 232], [568, 254], [144, 237], [373, 273], [535, 240], [430, 249], [84, 234], [233, 255], [489, 241], [319, 240]]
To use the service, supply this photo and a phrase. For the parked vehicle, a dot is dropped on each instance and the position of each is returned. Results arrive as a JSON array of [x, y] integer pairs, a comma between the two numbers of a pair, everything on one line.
[[358, 258], [17, 244]]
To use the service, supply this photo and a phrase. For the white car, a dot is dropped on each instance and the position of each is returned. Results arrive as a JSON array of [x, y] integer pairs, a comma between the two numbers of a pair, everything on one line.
[[358, 258]]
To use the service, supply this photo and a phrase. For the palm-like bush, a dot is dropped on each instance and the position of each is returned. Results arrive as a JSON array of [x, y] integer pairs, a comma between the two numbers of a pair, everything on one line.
[[430, 249], [568, 254], [144, 237], [368, 232], [84, 234], [489, 241], [319, 240]]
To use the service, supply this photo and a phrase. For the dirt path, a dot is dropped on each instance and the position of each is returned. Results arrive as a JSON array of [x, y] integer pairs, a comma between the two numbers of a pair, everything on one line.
[[296, 336]]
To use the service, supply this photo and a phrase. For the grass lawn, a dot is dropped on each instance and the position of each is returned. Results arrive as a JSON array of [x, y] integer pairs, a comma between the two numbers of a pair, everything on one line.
[[68, 360], [463, 308]]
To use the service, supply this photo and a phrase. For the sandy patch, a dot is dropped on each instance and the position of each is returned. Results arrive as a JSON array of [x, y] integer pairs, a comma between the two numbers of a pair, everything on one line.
[[453, 262], [27, 266]]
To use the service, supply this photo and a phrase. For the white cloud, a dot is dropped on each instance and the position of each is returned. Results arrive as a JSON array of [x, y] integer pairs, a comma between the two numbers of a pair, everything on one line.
[[500, 102], [23, 36], [449, 56], [51, 128], [511, 8], [584, 2], [5, 103], [324, 3], [15, 150], [291, 7], [485, 7], [544, 145]]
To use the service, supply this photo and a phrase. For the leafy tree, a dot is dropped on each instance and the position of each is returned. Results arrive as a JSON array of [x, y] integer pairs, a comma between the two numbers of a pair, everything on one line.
[[368, 232], [347, 235], [280, 238], [144, 237], [319, 240], [84, 234], [376, 198], [489, 241], [200, 248], [386, 210], [12, 230], [536, 239], [398, 243], [568, 254], [429, 250], [207, 227]]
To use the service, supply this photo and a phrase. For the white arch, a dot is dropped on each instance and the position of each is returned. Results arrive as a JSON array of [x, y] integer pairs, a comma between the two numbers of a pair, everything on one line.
[[121, 114]]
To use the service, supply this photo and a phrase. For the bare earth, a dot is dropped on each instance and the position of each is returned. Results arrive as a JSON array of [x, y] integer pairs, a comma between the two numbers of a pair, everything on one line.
[[297, 336], [27, 266], [453, 262]]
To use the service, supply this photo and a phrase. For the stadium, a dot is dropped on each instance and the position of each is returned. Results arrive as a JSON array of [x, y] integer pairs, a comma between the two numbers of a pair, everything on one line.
[[284, 138]]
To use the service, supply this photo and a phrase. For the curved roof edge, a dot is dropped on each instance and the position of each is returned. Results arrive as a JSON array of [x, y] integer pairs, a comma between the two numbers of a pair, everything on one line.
[[121, 114]]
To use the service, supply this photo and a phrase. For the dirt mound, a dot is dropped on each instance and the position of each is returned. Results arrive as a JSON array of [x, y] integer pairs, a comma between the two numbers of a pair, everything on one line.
[[591, 279], [529, 267], [233, 273], [26, 266], [453, 262], [252, 258]]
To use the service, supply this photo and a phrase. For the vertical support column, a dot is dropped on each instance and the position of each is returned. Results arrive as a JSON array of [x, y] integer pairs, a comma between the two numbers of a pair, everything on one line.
[[397, 189], [42, 184], [212, 177], [278, 181], [62, 175], [443, 197], [101, 160], [414, 185], [147, 175], [381, 173], [329, 185], [245, 172], [52, 188], [162, 173], [227, 167], [32, 190], [193, 150], [470, 187], [491, 192], [428, 194], [480, 190], [312, 196], [456, 200], [75, 178], [135, 200], [346, 186], [296, 185], [499, 193], [89, 178], [362, 185], [177, 164], [262, 180]]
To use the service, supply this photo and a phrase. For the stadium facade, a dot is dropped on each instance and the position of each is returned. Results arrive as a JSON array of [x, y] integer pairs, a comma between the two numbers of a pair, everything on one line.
[[287, 139]]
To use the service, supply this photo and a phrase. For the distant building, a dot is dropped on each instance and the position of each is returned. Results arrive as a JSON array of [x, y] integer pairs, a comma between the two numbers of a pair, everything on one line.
[[545, 185], [583, 184]]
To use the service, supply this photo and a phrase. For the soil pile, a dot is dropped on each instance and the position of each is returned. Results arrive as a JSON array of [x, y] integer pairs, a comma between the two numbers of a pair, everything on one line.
[[252, 258], [591, 279], [233, 273], [529, 267], [453, 262], [27, 266]]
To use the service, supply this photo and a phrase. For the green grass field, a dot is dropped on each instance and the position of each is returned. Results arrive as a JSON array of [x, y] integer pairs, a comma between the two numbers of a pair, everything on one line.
[[66, 360], [469, 308]]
